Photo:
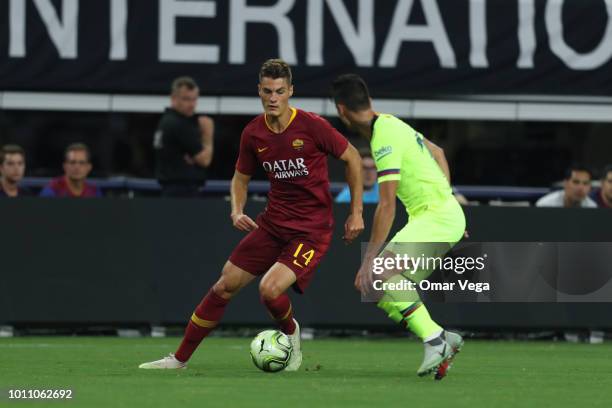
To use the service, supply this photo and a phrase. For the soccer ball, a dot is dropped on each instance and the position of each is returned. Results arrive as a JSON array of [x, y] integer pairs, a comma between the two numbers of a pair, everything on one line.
[[271, 351]]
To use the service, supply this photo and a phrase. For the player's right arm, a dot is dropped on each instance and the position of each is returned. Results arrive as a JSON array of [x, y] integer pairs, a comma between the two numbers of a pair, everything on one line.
[[438, 154], [245, 167], [239, 189]]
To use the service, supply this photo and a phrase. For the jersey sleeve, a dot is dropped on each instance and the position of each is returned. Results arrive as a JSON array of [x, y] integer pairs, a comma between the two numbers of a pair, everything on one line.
[[387, 155], [328, 139], [247, 162]]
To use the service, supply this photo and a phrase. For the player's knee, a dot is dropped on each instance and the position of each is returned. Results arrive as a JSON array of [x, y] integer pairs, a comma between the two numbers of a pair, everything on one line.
[[222, 289], [226, 286], [269, 290]]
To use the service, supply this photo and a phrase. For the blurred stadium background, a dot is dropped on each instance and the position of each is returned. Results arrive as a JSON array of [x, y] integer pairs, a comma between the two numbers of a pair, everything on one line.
[[514, 91]]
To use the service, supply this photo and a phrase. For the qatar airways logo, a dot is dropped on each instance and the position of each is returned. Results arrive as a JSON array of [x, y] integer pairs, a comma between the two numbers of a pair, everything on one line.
[[284, 169]]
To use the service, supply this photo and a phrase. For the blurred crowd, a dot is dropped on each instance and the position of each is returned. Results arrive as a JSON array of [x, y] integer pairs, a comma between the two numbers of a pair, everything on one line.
[[577, 185]]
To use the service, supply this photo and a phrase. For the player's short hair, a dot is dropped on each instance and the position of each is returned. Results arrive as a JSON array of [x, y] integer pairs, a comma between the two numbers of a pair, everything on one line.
[[10, 149], [576, 167], [77, 147], [276, 68], [351, 91], [183, 82]]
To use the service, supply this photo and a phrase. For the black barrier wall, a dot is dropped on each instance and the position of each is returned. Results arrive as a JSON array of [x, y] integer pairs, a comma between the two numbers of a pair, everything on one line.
[[152, 260]]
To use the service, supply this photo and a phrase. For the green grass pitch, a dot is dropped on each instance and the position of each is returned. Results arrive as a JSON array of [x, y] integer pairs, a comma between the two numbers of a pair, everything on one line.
[[335, 373]]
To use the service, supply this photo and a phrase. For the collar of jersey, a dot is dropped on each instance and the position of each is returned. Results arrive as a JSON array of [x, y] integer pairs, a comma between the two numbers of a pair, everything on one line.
[[293, 115]]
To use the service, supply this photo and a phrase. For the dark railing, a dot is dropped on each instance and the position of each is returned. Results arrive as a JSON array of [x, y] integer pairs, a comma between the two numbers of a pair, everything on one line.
[[143, 185]]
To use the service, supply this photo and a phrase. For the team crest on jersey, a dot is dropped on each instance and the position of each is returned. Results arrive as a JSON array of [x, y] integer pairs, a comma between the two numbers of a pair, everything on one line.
[[297, 144]]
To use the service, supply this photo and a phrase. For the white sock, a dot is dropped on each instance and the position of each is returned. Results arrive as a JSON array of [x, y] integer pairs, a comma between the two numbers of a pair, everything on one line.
[[433, 336]]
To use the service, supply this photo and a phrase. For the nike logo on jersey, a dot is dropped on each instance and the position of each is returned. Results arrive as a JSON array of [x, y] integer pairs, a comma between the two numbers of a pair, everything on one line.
[[261, 149]]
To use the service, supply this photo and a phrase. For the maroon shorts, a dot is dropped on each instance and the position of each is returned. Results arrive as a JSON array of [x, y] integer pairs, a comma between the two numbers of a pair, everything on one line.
[[300, 252]]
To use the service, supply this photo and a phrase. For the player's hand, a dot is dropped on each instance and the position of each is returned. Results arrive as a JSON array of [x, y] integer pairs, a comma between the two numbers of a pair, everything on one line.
[[243, 222], [353, 227], [363, 279]]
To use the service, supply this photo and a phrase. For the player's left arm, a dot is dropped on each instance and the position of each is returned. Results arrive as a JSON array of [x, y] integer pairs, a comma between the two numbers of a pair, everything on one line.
[[438, 154], [354, 224]]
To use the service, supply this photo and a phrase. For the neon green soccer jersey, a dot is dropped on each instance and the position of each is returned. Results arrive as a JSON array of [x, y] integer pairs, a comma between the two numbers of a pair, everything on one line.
[[401, 154]]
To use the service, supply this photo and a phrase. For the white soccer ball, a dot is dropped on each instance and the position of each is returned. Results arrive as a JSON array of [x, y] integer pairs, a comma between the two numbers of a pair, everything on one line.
[[271, 351]]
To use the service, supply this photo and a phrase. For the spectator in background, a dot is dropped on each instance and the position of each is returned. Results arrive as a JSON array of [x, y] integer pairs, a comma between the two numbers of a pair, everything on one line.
[[370, 184], [603, 195], [575, 193], [183, 143], [77, 166], [12, 169]]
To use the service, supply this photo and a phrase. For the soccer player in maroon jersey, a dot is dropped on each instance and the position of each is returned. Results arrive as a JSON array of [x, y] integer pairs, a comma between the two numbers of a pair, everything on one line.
[[288, 240]]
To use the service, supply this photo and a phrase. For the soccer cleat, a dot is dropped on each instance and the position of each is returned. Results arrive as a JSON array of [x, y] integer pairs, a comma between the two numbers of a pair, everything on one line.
[[455, 341], [167, 363], [296, 354], [437, 351]]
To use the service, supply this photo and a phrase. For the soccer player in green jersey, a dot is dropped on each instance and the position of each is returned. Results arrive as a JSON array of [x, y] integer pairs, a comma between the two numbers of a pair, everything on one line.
[[416, 171]]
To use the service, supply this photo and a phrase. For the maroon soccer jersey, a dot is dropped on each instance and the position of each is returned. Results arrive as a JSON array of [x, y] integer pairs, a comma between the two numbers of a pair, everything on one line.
[[296, 164]]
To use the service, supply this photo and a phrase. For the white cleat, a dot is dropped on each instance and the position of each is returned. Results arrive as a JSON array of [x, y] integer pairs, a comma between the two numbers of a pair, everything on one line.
[[296, 354], [455, 341], [166, 363], [437, 351]]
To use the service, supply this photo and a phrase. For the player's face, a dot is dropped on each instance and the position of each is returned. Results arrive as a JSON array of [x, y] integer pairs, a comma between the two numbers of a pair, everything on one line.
[[369, 172], [13, 167], [275, 94], [77, 165], [606, 186], [184, 101], [577, 187]]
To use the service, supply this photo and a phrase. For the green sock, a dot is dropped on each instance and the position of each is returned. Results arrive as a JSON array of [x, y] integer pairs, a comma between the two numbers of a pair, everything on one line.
[[413, 315]]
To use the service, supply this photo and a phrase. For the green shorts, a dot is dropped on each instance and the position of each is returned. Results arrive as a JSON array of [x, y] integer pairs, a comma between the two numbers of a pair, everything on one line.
[[430, 233], [440, 222]]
